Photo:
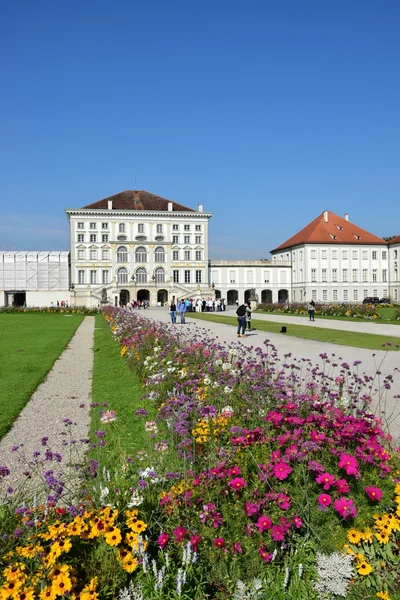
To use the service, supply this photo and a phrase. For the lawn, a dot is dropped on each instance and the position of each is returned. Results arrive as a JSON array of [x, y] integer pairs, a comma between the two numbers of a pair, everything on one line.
[[334, 336], [29, 345]]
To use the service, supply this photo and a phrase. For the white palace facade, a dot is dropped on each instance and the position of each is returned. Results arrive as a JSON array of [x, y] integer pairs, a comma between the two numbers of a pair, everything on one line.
[[139, 246]]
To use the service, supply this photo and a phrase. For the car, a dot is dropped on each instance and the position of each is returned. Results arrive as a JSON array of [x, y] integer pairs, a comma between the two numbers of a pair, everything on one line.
[[384, 301], [371, 300]]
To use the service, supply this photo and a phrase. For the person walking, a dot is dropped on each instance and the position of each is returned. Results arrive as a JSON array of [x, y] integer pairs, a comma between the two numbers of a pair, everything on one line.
[[248, 316], [172, 312], [311, 310], [182, 311], [241, 319]]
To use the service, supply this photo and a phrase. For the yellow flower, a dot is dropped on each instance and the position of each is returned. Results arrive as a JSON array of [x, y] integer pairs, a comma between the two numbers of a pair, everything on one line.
[[367, 535], [364, 568], [47, 594], [138, 527], [383, 538], [59, 571], [354, 536], [14, 572], [113, 537], [383, 595], [89, 591], [130, 563], [59, 547], [27, 593], [10, 589], [61, 584]]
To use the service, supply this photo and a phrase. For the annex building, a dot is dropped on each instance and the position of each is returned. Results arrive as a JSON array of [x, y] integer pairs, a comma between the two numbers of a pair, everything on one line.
[[136, 245]]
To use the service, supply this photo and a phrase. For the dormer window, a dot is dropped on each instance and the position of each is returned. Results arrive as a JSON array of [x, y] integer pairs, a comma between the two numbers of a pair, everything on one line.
[[333, 236], [358, 237], [339, 227]]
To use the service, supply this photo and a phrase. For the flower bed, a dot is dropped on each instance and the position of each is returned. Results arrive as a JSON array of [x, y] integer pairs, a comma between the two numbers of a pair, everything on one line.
[[262, 478], [81, 310], [361, 311]]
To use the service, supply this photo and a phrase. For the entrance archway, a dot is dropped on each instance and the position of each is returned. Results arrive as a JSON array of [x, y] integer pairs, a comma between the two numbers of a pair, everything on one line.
[[283, 296], [19, 299], [124, 297], [266, 297], [143, 295], [217, 293], [162, 296], [232, 296]]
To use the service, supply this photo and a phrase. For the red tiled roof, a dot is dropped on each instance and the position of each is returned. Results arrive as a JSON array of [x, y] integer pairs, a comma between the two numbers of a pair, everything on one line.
[[138, 200], [333, 230], [395, 240]]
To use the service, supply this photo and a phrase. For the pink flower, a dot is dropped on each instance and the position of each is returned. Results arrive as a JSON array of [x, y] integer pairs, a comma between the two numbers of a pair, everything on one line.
[[348, 463], [281, 470], [277, 533], [237, 484], [342, 486], [324, 499], [179, 533], [265, 555], [374, 493], [162, 540], [194, 541], [317, 436], [108, 416], [219, 542], [264, 523], [297, 522], [326, 479], [237, 548], [345, 507], [233, 471], [250, 508]]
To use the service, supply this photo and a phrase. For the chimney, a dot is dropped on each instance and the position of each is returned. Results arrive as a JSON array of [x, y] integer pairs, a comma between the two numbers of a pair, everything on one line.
[[200, 207], [325, 216], [136, 197], [110, 205], [346, 216], [170, 206]]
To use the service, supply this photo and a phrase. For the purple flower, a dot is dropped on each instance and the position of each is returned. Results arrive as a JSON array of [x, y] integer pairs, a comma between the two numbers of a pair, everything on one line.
[[100, 433], [4, 471], [18, 533]]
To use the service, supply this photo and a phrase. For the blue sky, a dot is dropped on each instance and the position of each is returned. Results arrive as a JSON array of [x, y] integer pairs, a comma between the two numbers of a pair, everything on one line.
[[266, 112]]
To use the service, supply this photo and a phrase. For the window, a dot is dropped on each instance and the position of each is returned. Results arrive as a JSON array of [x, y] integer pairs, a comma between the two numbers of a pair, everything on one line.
[[301, 255], [249, 276], [93, 237], [104, 238], [198, 276], [313, 254], [282, 277], [344, 254], [375, 276], [80, 225], [293, 256], [294, 295], [384, 275], [294, 276], [187, 254], [365, 293], [187, 276], [187, 239], [395, 253], [198, 239], [105, 254], [175, 227], [175, 239], [81, 255], [175, 275], [104, 225], [354, 255], [93, 226], [214, 277], [324, 254], [385, 292], [395, 294], [266, 276], [324, 295], [365, 275], [140, 228], [141, 254], [313, 295], [81, 237], [344, 275], [300, 276], [334, 295], [384, 255], [159, 275], [175, 255], [232, 276], [355, 294], [334, 254], [141, 275], [313, 274], [122, 275], [160, 254], [334, 274], [198, 254], [324, 274], [198, 227], [93, 255], [187, 227], [122, 254], [375, 292], [121, 227], [374, 255], [159, 228], [365, 254], [355, 275], [81, 276], [93, 277], [105, 276], [345, 295]]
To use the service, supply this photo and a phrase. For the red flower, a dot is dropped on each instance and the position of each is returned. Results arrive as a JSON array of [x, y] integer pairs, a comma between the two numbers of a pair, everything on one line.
[[374, 493], [219, 542], [194, 541]]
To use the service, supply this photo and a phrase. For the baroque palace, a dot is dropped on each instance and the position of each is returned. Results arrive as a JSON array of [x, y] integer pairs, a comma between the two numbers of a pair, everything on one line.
[[139, 246]]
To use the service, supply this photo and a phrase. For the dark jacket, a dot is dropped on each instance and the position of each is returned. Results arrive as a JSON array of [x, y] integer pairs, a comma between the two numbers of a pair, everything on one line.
[[241, 311]]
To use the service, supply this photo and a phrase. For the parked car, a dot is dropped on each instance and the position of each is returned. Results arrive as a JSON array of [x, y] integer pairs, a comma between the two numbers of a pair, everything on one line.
[[384, 301], [371, 300]]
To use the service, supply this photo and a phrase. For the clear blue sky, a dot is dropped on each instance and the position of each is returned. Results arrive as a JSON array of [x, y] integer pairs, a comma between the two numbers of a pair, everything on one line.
[[266, 112]]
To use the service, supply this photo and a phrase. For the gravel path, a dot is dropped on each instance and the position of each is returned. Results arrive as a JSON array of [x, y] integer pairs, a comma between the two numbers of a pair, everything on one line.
[[66, 388]]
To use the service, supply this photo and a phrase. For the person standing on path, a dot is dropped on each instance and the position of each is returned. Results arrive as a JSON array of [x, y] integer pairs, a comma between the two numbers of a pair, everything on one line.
[[248, 316], [241, 319], [172, 312], [182, 311], [311, 310]]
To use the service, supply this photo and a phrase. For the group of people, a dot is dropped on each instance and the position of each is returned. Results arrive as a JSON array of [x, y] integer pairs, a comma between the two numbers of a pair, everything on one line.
[[138, 304], [243, 314], [63, 303]]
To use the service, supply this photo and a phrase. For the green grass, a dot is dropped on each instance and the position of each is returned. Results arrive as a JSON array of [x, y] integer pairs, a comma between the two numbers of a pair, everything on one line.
[[29, 345], [370, 341], [117, 384]]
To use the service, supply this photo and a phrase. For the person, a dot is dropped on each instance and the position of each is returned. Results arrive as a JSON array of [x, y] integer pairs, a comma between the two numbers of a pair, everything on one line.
[[172, 312], [237, 303], [248, 315], [241, 319], [311, 310], [182, 310]]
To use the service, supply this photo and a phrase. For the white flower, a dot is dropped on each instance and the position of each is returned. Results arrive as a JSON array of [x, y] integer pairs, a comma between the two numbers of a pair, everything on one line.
[[227, 390]]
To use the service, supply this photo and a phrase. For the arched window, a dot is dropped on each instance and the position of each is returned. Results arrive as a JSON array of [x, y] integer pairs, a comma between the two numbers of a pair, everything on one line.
[[141, 275], [160, 254], [122, 275], [141, 255], [160, 275], [122, 254]]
